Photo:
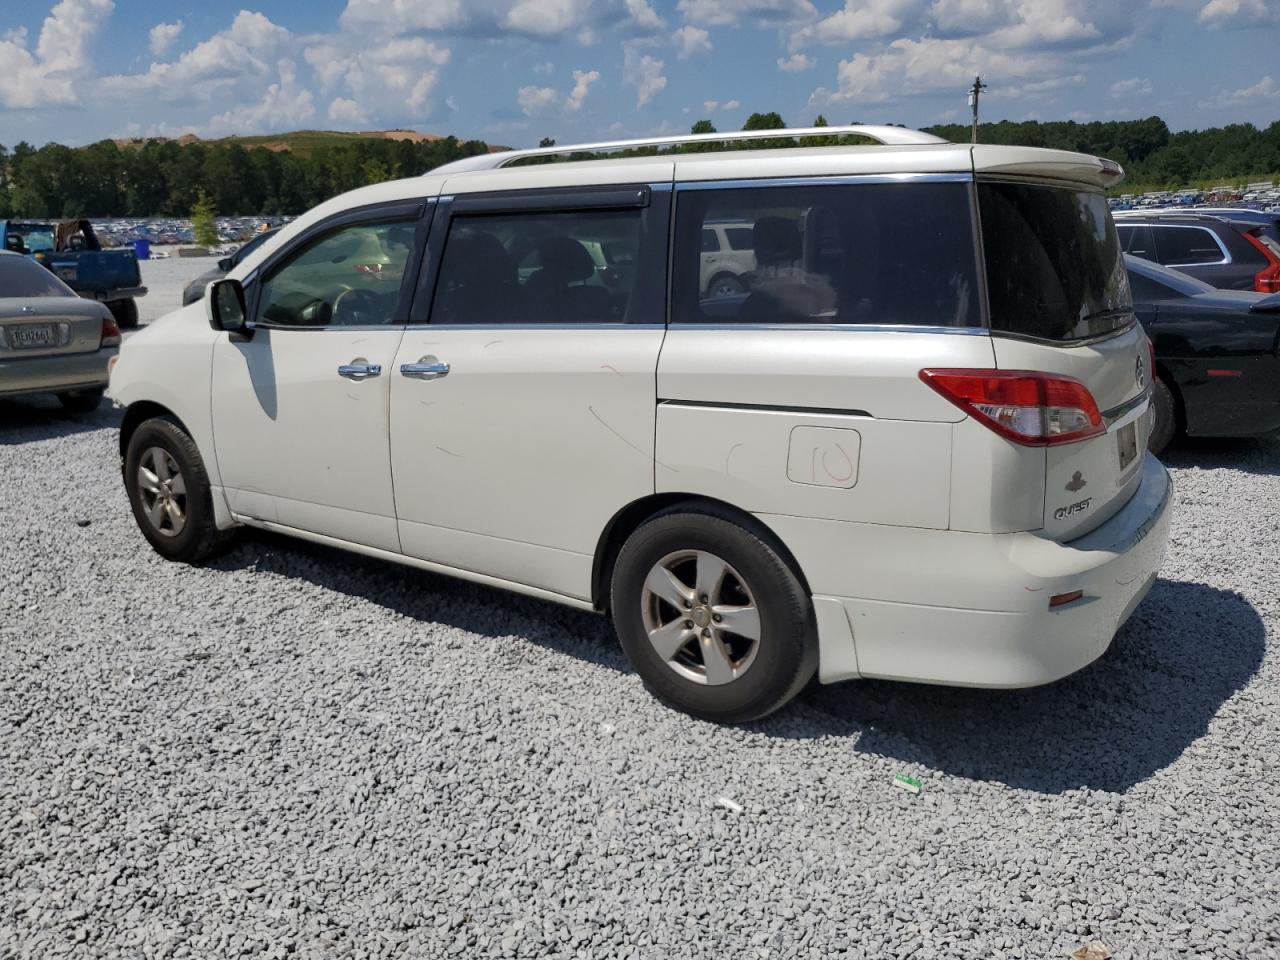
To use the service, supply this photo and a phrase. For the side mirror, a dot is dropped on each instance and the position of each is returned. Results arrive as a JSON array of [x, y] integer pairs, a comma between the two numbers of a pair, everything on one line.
[[225, 264], [226, 306]]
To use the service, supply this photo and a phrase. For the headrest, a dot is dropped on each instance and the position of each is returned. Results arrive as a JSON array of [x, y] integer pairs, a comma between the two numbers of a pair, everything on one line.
[[479, 258], [776, 240], [565, 260]]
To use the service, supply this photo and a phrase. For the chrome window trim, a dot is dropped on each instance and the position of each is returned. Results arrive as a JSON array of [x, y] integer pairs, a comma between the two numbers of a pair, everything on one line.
[[843, 327], [823, 180], [617, 325], [1226, 255], [1120, 409], [363, 327], [1084, 342]]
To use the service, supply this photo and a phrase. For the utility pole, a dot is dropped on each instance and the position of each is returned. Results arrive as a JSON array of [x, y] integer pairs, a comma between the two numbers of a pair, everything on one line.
[[974, 93]]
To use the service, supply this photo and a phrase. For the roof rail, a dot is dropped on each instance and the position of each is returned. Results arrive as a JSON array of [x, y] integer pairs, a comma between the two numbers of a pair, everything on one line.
[[893, 136]]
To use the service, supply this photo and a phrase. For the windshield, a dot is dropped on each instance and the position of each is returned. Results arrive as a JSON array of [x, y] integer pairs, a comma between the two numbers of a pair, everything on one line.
[[21, 278], [1054, 265]]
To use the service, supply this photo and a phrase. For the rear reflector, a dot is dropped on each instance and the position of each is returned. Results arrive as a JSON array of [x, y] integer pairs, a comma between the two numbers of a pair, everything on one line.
[[1026, 406], [1062, 599], [110, 332]]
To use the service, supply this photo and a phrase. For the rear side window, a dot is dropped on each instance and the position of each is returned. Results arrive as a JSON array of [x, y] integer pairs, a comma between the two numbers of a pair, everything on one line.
[[1186, 245], [22, 278], [872, 253], [1054, 265], [1137, 240], [539, 267]]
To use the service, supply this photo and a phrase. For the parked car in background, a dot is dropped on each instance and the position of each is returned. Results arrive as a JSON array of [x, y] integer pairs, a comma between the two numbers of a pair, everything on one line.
[[728, 258], [1269, 220], [194, 290], [1216, 355], [51, 341], [914, 446], [1227, 253], [70, 249]]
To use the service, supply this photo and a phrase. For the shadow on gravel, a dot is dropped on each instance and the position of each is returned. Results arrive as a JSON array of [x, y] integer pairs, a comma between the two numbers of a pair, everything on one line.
[[431, 598], [1184, 652], [1260, 455], [42, 418]]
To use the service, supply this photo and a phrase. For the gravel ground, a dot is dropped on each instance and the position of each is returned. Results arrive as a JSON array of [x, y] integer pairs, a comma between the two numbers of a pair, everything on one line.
[[164, 280], [293, 751]]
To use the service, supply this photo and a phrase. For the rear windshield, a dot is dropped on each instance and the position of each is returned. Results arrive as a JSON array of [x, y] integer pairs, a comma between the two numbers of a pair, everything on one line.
[[854, 253], [21, 277], [1054, 264]]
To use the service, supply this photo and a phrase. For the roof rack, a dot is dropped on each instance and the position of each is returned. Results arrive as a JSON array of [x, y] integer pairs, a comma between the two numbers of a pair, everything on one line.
[[887, 135]]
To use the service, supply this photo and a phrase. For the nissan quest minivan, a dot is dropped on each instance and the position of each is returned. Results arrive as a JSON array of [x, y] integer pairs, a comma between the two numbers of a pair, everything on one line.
[[908, 441]]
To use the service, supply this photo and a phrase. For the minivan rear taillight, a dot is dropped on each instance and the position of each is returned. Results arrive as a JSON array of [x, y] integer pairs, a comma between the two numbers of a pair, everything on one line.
[[1266, 280], [1025, 406], [110, 332]]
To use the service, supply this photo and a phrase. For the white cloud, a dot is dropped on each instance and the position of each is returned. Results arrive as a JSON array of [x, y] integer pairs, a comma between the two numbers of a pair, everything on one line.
[[644, 72], [643, 16], [711, 106], [346, 112], [723, 13], [860, 19], [908, 67], [542, 18], [582, 81], [544, 69], [384, 79], [1265, 89], [796, 63], [163, 36], [1135, 85], [285, 105], [536, 101], [1220, 13], [690, 40], [731, 105], [61, 59]]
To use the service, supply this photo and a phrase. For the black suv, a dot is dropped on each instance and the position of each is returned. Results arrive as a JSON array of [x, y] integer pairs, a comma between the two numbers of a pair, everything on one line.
[[1225, 253]]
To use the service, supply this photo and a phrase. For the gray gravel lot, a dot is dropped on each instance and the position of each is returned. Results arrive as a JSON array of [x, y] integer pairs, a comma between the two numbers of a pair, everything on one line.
[[164, 280], [294, 751]]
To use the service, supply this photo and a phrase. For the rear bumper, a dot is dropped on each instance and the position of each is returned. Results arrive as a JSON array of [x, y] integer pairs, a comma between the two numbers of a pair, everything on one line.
[[973, 610], [56, 374], [106, 296]]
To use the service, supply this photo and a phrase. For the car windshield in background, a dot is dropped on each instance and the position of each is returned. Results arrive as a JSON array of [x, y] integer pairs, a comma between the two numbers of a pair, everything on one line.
[[21, 278], [1054, 267], [856, 253]]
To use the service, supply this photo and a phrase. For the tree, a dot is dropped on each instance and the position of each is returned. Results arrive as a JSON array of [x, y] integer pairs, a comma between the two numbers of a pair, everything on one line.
[[547, 142], [764, 121], [703, 126], [204, 222]]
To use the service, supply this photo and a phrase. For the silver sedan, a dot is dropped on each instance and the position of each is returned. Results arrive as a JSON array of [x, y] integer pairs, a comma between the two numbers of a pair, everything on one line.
[[52, 341]]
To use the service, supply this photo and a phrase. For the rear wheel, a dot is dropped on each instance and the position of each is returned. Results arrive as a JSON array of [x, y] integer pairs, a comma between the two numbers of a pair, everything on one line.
[[81, 401], [725, 285], [125, 313], [712, 618], [170, 494], [1165, 423]]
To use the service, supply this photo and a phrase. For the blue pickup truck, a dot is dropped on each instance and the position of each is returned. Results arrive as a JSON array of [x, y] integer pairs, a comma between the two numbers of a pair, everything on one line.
[[71, 250]]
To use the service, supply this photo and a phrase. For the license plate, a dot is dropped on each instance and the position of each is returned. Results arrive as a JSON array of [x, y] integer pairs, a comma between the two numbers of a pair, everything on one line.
[[31, 335], [1127, 439]]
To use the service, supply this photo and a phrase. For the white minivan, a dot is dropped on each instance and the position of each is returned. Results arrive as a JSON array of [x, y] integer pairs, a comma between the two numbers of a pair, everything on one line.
[[912, 446]]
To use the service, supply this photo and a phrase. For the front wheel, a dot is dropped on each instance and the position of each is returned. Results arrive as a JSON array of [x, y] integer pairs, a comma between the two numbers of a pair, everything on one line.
[[712, 618], [170, 494]]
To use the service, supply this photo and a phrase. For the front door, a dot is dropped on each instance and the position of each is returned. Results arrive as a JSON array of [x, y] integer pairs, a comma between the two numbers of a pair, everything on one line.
[[300, 407], [522, 414]]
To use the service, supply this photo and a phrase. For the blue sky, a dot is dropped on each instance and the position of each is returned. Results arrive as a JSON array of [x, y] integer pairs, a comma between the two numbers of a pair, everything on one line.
[[512, 71]]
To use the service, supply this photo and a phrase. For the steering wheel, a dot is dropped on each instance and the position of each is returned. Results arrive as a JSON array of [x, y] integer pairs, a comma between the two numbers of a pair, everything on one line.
[[353, 307]]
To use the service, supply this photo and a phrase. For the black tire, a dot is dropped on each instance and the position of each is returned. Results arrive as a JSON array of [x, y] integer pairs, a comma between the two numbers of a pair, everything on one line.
[[1164, 426], [125, 313], [199, 538], [786, 654], [81, 401]]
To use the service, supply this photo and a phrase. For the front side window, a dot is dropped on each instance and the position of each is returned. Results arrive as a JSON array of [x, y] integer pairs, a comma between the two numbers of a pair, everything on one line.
[[1055, 270], [855, 253], [539, 267], [348, 278], [1185, 245]]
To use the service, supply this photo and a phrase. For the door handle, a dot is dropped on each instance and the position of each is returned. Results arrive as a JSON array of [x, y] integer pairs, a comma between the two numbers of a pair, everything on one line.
[[427, 368], [360, 369]]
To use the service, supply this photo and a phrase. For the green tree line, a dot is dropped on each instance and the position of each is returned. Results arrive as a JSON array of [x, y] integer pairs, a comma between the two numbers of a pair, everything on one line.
[[166, 178]]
